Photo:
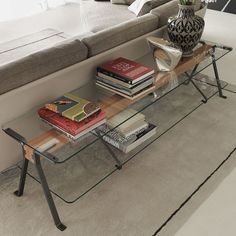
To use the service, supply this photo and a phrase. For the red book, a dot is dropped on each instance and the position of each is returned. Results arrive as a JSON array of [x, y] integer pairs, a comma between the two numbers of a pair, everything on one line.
[[126, 70], [72, 127]]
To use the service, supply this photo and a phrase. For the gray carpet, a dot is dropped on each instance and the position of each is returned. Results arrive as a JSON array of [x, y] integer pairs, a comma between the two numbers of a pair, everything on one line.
[[178, 220], [138, 199]]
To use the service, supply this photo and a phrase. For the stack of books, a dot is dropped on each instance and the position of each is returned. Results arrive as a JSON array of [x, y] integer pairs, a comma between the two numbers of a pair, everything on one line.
[[126, 78], [72, 115], [130, 133]]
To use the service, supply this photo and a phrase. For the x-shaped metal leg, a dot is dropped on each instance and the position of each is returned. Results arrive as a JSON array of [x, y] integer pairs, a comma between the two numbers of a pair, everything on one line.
[[118, 162], [190, 79]]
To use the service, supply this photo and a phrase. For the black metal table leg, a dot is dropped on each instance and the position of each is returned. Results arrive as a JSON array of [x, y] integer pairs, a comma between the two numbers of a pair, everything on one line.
[[204, 100], [21, 187], [190, 79], [217, 77], [24, 168], [48, 194], [118, 163]]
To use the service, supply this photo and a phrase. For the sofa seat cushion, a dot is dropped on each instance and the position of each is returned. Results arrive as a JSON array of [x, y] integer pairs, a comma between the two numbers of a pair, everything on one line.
[[97, 16], [31, 60], [116, 35]]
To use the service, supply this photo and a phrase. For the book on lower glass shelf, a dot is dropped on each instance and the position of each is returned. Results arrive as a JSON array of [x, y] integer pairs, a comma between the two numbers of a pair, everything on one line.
[[125, 144]]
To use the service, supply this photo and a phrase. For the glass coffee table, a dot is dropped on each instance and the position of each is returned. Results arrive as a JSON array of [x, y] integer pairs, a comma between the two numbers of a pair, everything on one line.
[[29, 129]]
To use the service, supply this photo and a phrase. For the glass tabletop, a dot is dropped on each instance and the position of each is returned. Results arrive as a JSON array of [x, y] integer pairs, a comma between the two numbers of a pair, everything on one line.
[[29, 128]]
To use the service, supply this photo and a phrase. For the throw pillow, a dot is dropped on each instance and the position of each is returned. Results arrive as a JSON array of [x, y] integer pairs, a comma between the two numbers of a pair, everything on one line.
[[122, 2], [141, 7]]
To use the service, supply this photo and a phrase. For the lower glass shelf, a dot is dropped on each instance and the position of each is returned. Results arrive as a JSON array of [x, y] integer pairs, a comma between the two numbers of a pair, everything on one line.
[[74, 178]]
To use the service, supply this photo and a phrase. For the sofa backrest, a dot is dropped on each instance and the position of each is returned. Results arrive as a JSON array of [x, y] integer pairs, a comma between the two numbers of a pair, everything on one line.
[[121, 33], [17, 72], [157, 3], [165, 11]]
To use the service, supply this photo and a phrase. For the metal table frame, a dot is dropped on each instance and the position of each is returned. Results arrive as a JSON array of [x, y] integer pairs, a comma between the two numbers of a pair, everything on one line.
[[37, 156]]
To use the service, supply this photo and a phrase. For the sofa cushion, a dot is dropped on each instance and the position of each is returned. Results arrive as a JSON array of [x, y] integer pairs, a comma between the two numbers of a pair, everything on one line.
[[97, 16], [121, 33], [165, 11], [20, 71]]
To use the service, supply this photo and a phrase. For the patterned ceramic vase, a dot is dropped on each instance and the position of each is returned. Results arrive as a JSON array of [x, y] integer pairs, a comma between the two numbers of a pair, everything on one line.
[[185, 29]]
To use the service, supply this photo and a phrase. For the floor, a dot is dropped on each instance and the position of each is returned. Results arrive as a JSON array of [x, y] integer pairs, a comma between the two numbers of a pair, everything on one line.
[[215, 216], [126, 204]]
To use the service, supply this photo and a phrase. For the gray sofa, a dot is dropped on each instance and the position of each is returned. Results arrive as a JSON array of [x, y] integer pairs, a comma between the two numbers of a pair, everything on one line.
[[109, 25]]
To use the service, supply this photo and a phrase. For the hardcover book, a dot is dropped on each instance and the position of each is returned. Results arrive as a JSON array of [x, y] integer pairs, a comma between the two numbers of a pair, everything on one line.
[[122, 83], [129, 91], [133, 129], [126, 70], [72, 127], [123, 120], [129, 143], [73, 107], [137, 95], [79, 135]]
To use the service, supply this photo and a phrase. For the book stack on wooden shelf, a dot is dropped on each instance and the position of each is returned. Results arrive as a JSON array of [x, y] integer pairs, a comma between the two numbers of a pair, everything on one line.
[[126, 133], [125, 77], [72, 115]]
